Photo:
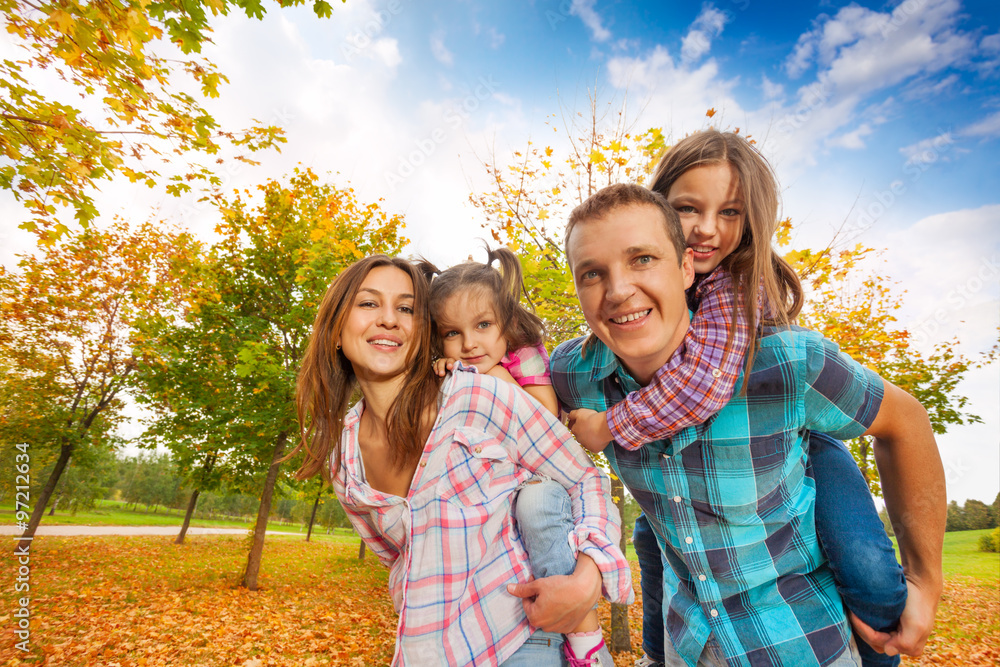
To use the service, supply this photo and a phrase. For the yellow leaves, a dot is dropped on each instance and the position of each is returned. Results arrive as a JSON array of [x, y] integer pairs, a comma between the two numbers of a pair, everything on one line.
[[710, 112], [62, 21], [548, 151], [596, 157]]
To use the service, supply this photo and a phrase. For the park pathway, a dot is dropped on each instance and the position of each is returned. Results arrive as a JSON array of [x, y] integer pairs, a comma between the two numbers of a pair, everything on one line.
[[130, 530]]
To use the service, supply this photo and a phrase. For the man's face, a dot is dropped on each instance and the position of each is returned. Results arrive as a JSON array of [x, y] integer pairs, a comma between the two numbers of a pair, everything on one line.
[[630, 286]]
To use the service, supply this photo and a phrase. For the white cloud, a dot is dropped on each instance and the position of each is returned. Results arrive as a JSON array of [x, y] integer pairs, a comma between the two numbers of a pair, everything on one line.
[[387, 51], [496, 38], [584, 9], [928, 151], [770, 89], [853, 140], [440, 51], [988, 127], [707, 26]]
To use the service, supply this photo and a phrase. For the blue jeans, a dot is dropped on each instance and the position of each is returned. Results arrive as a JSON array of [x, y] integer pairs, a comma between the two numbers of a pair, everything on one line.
[[651, 582], [544, 518], [542, 649], [861, 556]]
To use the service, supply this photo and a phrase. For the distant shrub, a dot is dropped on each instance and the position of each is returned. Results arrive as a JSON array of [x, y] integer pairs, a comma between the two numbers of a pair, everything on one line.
[[990, 541]]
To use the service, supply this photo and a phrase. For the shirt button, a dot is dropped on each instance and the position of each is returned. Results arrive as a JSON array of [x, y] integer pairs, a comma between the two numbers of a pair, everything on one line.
[[716, 372], [423, 464], [666, 456], [689, 540], [714, 613], [677, 499], [702, 577], [478, 450]]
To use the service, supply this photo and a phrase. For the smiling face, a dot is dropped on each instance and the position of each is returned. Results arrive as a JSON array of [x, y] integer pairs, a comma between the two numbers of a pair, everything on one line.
[[711, 208], [467, 324], [378, 333], [631, 286]]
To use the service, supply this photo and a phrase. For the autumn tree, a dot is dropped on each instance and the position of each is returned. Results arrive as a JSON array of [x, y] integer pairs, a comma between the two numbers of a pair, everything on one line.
[[67, 338], [247, 318], [112, 101], [532, 192]]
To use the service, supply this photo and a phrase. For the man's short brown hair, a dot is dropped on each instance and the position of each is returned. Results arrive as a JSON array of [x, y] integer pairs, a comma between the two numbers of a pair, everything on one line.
[[621, 195]]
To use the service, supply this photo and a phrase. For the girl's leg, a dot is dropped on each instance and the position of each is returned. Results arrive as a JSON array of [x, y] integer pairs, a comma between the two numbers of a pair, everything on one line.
[[647, 550], [862, 558], [544, 517]]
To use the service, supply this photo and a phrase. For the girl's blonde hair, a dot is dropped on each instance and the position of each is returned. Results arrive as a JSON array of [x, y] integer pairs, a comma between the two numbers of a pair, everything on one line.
[[503, 285], [754, 265], [327, 381]]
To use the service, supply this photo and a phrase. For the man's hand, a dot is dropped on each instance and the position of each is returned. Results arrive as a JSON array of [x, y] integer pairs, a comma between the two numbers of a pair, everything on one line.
[[590, 429], [560, 603], [915, 624]]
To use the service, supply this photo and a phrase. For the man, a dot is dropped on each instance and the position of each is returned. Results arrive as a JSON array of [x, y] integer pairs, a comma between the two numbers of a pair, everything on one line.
[[746, 581]]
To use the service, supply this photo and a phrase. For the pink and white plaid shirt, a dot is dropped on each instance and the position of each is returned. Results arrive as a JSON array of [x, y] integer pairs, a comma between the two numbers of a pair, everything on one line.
[[451, 544], [697, 380], [528, 365]]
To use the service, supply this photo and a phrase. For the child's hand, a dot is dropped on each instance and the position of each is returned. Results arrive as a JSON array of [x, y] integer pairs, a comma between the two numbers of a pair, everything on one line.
[[443, 365], [590, 429]]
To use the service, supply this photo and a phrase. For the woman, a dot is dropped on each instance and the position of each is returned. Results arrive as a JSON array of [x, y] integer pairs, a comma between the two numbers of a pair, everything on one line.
[[427, 471]]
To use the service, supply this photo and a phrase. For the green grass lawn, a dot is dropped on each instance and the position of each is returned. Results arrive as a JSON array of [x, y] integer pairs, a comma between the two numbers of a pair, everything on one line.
[[962, 556], [114, 513]]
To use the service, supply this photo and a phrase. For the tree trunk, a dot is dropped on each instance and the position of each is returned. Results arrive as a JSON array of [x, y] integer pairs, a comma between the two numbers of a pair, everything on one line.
[[361, 551], [621, 636], [260, 528], [52, 510], [43, 499], [312, 517], [187, 517], [864, 445], [206, 468]]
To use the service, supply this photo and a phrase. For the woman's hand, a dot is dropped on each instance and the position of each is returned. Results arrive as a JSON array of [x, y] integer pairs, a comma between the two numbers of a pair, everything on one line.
[[590, 429]]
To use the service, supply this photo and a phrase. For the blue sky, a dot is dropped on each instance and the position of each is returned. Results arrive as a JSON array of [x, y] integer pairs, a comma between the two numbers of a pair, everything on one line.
[[883, 118]]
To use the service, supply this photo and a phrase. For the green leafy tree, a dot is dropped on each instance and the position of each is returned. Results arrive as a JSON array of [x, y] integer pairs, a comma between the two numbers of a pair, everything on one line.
[[247, 317], [117, 56], [956, 518], [67, 338]]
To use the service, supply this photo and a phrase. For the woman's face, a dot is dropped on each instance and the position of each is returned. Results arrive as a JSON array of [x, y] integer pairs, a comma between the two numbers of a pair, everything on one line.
[[378, 335]]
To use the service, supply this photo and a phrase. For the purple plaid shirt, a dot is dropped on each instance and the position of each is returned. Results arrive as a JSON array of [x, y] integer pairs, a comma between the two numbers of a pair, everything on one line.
[[697, 380]]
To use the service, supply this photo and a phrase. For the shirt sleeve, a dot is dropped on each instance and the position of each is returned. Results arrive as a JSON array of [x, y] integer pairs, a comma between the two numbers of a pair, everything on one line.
[[698, 380], [545, 446], [528, 365], [840, 397]]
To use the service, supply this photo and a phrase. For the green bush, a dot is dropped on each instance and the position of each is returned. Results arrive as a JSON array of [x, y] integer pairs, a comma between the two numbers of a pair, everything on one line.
[[990, 541]]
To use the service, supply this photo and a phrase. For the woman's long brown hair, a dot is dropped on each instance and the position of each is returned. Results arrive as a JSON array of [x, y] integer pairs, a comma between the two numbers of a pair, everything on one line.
[[754, 265], [327, 381]]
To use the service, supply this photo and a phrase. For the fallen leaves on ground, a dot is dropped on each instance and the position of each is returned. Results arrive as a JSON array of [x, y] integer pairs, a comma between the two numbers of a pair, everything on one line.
[[146, 602]]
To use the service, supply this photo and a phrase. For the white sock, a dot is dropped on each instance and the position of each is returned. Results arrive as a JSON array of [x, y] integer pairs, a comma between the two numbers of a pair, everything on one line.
[[583, 643]]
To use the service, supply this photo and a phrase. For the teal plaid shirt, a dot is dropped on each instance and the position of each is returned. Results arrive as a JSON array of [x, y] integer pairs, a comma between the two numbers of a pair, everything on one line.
[[730, 501]]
